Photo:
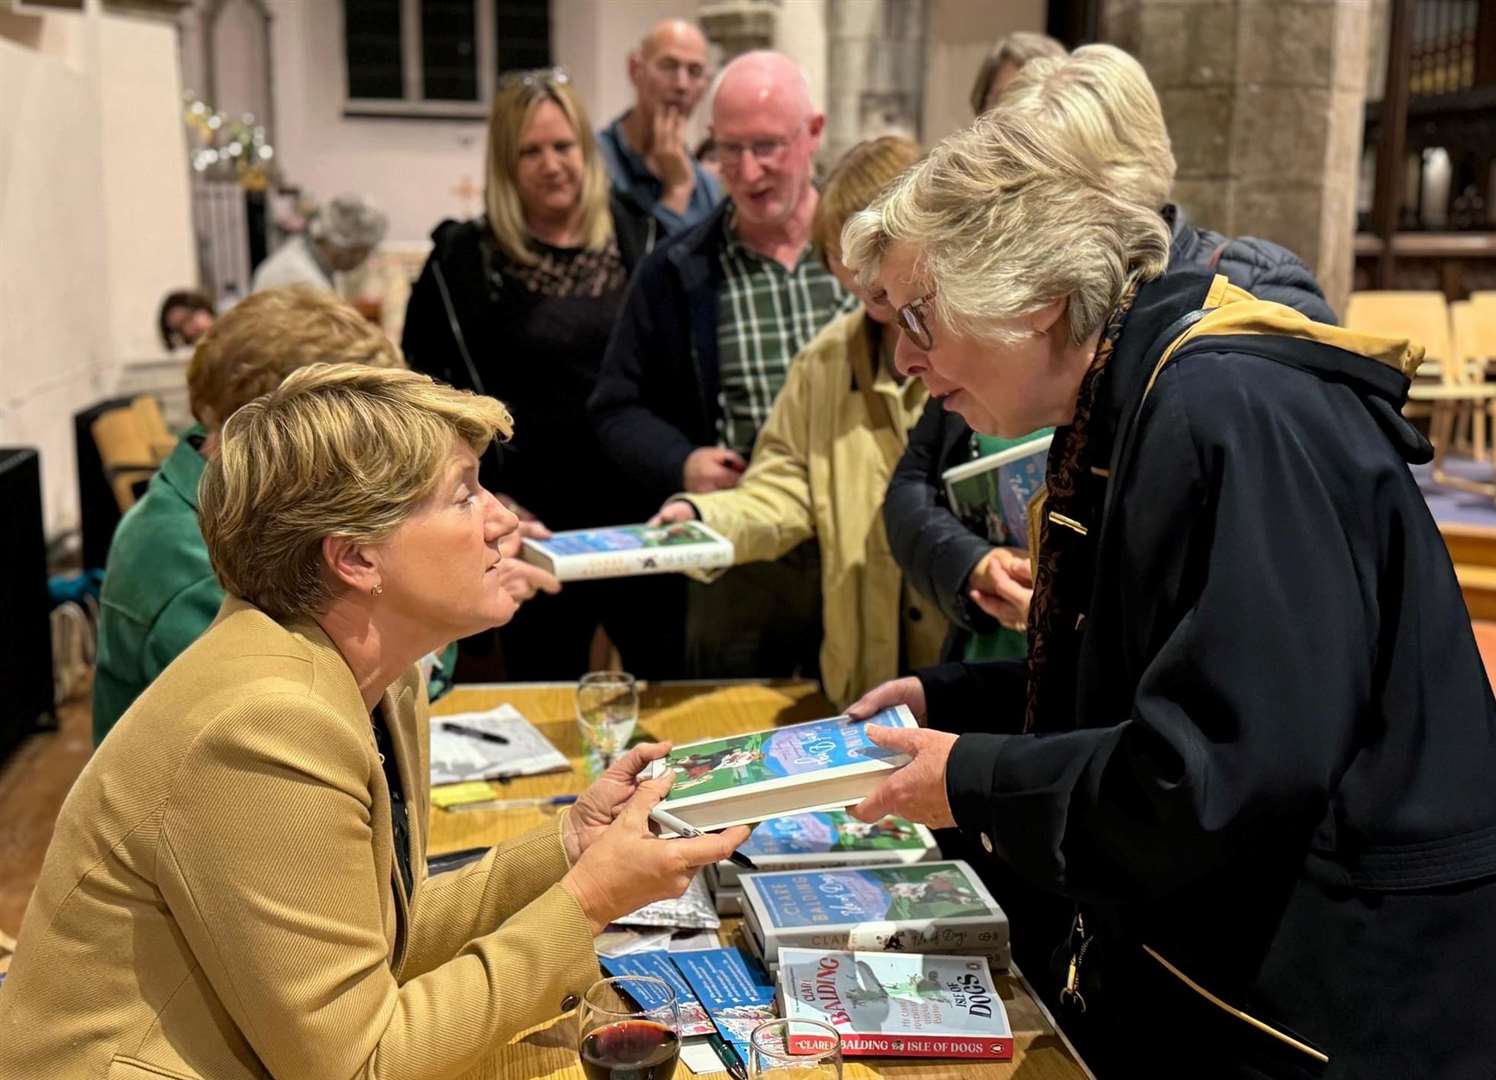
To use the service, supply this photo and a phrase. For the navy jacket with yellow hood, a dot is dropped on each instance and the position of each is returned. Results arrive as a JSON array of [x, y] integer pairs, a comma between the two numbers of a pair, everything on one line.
[[1267, 776]]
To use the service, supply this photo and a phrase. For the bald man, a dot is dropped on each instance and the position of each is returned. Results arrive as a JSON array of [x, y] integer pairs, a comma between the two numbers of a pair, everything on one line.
[[645, 149], [712, 320]]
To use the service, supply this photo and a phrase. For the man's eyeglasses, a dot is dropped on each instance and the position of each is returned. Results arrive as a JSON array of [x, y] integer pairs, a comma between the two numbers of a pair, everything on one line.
[[915, 323], [533, 77], [768, 152]]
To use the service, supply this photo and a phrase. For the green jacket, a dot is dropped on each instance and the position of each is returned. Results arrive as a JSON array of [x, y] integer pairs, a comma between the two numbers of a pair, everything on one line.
[[159, 590]]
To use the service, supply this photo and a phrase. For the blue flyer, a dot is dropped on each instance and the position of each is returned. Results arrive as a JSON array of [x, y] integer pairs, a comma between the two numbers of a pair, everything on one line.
[[737, 992], [693, 1018]]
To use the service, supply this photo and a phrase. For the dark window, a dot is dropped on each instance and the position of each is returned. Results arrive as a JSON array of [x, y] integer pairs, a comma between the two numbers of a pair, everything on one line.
[[449, 50], [371, 30], [523, 29]]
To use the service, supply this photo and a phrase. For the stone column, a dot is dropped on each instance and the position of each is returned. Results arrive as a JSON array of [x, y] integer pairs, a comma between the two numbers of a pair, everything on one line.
[[1265, 103], [875, 71], [739, 26]]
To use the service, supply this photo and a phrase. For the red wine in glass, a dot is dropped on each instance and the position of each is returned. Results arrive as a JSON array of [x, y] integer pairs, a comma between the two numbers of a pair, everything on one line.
[[630, 1050]]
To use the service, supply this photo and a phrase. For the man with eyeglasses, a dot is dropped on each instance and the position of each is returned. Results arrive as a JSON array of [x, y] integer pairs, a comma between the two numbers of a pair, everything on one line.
[[645, 149], [702, 348]]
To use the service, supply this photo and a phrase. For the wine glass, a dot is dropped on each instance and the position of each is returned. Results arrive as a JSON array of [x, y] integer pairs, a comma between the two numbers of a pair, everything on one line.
[[629, 1029], [806, 1048], [607, 710]]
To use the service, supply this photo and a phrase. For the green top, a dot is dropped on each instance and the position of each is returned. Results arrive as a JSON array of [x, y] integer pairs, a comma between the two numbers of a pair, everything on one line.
[[1002, 643], [160, 592]]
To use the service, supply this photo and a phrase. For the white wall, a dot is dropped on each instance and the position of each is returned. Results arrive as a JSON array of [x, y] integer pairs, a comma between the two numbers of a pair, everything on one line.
[[413, 168], [94, 221], [959, 35]]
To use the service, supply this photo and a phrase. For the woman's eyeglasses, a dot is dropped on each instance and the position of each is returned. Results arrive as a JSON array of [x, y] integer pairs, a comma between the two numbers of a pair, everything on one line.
[[913, 320], [551, 76]]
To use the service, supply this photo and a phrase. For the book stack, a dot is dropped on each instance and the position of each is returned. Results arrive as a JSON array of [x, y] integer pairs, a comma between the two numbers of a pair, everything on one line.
[[895, 1004], [923, 907], [815, 841]]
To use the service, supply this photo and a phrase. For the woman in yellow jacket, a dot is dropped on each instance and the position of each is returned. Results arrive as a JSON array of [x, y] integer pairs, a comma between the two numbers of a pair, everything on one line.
[[824, 457], [236, 886]]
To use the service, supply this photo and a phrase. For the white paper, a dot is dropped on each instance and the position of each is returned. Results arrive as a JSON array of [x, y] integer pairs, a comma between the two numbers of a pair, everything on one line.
[[699, 1057], [621, 941], [694, 910], [694, 941], [455, 757]]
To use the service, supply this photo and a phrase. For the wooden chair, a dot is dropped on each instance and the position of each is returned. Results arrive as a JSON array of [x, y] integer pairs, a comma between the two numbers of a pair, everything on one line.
[[133, 441], [1461, 393]]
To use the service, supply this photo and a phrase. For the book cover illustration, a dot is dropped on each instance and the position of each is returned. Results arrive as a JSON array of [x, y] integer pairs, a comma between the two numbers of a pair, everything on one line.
[[832, 831], [991, 495], [897, 1004], [735, 762], [627, 538], [456, 758], [914, 892], [694, 1019], [736, 991]]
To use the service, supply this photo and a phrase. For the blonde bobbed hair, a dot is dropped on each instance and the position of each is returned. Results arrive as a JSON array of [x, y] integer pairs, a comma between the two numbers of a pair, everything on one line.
[[1101, 97], [267, 336], [854, 182], [513, 105], [341, 450], [1016, 49], [1007, 216]]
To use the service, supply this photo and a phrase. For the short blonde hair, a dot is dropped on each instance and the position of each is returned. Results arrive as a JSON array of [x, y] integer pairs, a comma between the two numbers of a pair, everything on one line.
[[1016, 49], [341, 450], [1102, 99], [515, 103], [1006, 217], [267, 336], [855, 181]]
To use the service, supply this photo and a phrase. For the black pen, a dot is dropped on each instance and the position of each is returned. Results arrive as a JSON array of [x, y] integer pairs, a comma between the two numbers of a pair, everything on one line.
[[473, 733], [728, 1054], [674, 824]]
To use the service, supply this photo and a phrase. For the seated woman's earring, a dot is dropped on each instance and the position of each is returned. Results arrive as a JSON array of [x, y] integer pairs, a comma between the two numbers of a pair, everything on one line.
[[377, 590]]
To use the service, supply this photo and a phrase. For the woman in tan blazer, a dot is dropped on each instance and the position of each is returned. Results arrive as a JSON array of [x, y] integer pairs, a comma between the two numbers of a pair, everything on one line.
[[236, 884]]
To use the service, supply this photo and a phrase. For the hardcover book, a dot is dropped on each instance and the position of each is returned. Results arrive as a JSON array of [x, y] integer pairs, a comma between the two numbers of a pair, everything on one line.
[[626, 550], [991, 495], [800, 768], [736, 991], [940, 907], [829, 838], [657, 962], [895, 1004]]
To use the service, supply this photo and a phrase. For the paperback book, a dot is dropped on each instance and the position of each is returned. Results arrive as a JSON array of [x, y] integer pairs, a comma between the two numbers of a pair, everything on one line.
[[516, 747], [829, 838], [939, 907], [693, 1015], [736, 991], [895, 1004], [991, 495], [800, 768], [626, 550]]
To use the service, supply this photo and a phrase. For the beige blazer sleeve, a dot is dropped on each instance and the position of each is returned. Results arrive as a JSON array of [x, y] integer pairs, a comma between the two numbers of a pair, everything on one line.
[[267, 860], [770, 511]]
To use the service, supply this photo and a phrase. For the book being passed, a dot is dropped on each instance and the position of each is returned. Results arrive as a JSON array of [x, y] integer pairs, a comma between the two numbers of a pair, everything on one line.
[[796, 769], [991, 495], [626, 550], [939, 907], [895, 1004]]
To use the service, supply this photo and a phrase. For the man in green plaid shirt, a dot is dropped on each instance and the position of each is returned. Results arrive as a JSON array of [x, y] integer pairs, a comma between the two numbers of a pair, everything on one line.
[[711, 323]]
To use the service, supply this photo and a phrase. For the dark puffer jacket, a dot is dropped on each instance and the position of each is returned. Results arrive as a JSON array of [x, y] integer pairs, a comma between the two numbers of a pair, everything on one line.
[[935, 550]]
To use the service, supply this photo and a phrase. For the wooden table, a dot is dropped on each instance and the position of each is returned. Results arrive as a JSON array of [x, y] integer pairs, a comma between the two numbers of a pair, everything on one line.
[[683, 712]]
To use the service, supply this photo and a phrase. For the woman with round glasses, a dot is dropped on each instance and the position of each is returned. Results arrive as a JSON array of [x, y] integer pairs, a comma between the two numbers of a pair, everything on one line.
[[1248, 761], [518, 303]]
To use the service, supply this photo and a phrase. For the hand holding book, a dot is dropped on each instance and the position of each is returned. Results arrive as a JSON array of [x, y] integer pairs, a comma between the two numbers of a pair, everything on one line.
[[916, 791]]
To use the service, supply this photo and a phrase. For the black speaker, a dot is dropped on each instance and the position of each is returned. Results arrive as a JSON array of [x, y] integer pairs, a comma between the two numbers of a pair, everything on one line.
[[25, 625]]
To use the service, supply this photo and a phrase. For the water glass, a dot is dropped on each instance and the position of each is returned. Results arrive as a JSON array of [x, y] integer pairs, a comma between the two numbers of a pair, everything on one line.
[[804, 1048], [607, 710], [629, 1029]]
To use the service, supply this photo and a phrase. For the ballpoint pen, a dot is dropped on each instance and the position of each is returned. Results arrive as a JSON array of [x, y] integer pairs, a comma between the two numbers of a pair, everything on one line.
[[474, 733], [671, 823], [516, 804], [728, 1054]]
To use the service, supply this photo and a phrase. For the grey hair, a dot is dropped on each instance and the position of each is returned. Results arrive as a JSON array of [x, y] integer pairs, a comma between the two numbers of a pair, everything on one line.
[[1007, 216], [349, 221]]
